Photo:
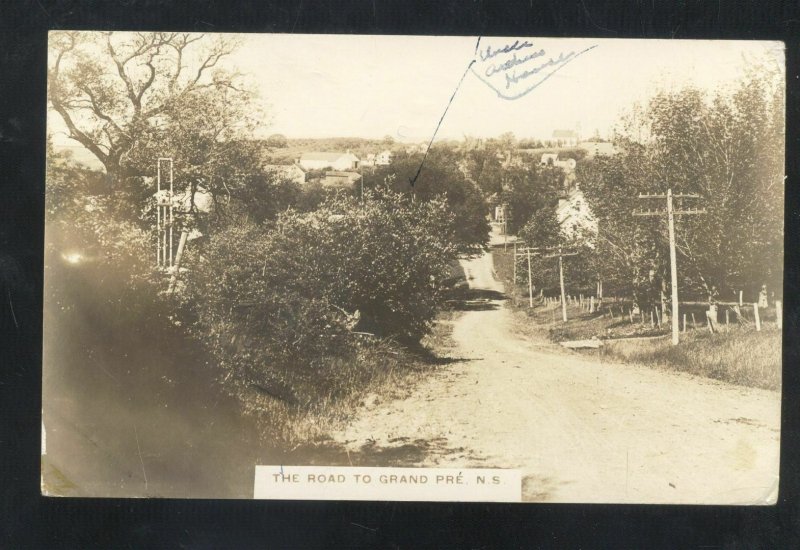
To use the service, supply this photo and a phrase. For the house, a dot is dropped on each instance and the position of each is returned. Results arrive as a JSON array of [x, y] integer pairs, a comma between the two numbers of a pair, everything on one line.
[[573, 213], [291, 172], [336, 161], [369, 161], [575, 217], [567, 138], [383, 158], [336, 178]]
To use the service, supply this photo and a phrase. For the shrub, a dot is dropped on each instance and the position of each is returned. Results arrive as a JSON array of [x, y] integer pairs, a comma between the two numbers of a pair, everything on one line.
[[278, 305]]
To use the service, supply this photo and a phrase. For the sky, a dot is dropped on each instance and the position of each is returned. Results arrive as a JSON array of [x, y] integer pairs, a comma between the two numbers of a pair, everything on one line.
[[400, 86], [372, 86]]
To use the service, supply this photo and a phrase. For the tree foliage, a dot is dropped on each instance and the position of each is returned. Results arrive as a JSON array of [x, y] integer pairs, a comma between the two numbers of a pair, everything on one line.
[[727, 148], [441, 176], [289, 296]]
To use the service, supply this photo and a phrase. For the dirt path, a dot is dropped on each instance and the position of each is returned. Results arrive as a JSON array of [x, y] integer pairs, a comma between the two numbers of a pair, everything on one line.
[[580, 430]]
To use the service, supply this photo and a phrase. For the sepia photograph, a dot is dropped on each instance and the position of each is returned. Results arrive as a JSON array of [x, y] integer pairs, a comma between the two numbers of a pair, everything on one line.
[[423, 268]]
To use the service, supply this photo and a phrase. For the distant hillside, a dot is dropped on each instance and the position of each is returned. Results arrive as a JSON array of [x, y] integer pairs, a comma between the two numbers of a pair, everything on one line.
[[360, 147]]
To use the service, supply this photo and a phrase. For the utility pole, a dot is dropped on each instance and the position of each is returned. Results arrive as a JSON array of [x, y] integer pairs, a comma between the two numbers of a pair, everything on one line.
[[560, 255], [526, 252], [530, 281], [671, 213]]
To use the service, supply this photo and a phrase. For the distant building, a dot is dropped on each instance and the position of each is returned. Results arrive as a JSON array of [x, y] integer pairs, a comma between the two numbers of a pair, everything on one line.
[[384, 158], [575, 217], [567, 138], [336, 161], [291, 172], [369, 161], [336, 178]]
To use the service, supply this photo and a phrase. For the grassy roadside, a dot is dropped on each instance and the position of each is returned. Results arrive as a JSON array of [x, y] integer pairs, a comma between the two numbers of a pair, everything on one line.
[[736, 353], [382, 371]]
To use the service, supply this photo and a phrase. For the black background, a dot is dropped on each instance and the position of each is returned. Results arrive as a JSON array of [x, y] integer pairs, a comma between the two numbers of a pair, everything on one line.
[[29, 521]]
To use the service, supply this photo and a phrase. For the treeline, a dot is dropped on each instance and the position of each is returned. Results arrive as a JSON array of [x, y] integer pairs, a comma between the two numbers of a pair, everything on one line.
[[727, 149]]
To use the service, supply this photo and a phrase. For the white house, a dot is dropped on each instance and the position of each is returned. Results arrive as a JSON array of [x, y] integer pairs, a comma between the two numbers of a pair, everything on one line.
[[291, 172], [369, 161], [336, 161], [567, 138], [384, 158], [575, 217]]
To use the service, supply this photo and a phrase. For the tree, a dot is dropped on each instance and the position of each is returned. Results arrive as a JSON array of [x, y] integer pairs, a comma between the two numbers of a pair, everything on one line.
[[441, 176], [277, 140], [111, 89], [726, 147]]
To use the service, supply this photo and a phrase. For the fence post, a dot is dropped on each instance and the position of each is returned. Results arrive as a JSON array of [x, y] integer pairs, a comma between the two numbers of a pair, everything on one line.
[[740, 299], [684, 322], [779, 313], [758, 319]]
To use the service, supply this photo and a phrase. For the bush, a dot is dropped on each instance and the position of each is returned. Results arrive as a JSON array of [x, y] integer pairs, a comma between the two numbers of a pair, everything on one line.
[[278, 305]]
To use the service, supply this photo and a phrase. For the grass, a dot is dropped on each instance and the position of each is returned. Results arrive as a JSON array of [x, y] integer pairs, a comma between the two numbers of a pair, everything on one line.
[[736, 353], [741, 356], [382, 371]]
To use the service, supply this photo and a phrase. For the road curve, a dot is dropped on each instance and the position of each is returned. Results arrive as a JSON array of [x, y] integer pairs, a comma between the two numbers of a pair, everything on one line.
[[580, 430]]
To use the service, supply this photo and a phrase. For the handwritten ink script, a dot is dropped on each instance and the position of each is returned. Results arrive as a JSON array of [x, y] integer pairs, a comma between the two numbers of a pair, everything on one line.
[[514, 69]]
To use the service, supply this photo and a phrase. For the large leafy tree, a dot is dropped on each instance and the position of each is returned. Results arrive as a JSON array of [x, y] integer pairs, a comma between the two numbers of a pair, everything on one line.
[[115, 90], [441, 175], [727, 148]]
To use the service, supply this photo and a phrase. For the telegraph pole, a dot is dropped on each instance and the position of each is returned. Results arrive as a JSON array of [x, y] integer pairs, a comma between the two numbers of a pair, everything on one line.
[[526, 252], [530, 281], [673, 271], [560, 255]]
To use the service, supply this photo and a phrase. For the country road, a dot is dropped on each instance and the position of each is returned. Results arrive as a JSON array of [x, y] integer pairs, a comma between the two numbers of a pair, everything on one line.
[[579, 429]]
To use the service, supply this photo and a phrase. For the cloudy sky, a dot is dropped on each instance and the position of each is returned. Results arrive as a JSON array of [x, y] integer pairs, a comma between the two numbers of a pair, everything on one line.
[[371, 86]]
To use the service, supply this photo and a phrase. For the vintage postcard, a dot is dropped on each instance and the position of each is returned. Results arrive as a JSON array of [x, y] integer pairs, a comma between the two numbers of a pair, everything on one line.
[[423, 268]]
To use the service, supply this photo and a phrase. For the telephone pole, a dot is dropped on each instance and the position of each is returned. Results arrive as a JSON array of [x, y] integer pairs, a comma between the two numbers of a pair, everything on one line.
[[561, 255], [526, 253], [673, 271]]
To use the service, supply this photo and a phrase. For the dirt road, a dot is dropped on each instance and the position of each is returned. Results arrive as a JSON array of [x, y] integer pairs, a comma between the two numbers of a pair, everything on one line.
[[579, 429]]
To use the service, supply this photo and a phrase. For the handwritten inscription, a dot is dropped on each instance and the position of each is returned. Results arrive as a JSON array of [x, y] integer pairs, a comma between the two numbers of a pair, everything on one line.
[[515, 69]]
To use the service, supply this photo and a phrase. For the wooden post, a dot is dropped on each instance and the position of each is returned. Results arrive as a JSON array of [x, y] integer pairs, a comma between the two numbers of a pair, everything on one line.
[[710, 325], [178, 257], [684, 322], [673, 271], [561, 279], [779, 313], [514, 284], [591, 304], [530, 280], [741, 303], [694, 323], [630, 314], [726, 317], [757, 317], [652, 320]]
